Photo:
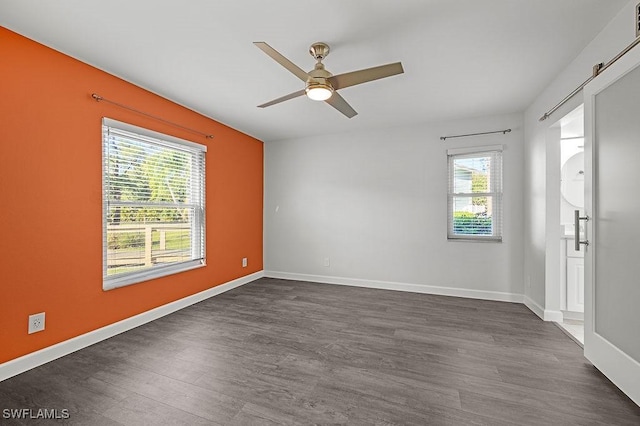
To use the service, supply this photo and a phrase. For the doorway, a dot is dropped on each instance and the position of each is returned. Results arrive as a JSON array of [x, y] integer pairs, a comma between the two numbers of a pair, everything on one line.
[[564, 291], [572, 165]]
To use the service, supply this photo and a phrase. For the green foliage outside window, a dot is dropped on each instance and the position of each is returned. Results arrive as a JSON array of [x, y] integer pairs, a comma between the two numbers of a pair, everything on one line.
[[467, 223], [144, 175], [479, 183]]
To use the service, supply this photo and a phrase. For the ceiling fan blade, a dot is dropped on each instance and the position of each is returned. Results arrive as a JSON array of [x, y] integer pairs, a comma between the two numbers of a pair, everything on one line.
[[275, 55], [341, 105], [284, 98], [341, 81]]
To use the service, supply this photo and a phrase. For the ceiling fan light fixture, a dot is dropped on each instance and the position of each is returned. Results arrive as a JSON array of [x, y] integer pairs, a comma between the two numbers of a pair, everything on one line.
[[319, 91], [320, 84]]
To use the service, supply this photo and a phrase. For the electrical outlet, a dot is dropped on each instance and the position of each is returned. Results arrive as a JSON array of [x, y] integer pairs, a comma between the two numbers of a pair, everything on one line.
[[36, 322], [244, 262], [327, 262]]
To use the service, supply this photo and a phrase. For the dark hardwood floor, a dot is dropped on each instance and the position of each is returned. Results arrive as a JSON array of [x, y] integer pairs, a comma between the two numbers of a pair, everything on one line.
[[288, 352]]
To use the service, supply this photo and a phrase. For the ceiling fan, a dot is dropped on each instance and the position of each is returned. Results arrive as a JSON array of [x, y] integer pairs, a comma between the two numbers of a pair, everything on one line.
[[320, 84]]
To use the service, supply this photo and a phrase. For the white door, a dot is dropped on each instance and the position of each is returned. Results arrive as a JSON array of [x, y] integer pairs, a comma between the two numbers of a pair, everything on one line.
[[612, 201]]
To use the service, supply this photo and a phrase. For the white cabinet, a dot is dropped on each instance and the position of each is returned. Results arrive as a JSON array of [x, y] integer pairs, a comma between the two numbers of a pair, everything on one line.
[[575, 284], [575, 278]]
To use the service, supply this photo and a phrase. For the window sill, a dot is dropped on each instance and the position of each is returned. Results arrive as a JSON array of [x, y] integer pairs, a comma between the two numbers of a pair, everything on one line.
[[475, 240], [135, 278]]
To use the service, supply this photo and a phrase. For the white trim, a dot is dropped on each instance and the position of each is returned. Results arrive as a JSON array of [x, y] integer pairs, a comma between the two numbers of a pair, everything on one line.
[[551, 315], [534, 306], [475, 149], [619, 367], [35, 359], [397, 286], [567, 333], [111, 283], [570, 315], [544, 314], [156, 137]]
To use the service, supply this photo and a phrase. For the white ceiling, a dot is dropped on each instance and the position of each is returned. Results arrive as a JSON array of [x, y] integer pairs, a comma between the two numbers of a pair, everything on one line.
[[462, 58]]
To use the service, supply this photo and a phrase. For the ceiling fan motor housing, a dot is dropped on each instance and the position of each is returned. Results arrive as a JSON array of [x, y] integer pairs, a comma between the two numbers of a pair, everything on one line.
[[318, 78]]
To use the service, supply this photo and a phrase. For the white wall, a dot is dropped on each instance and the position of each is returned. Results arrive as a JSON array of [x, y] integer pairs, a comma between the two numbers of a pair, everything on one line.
[[375, 204], [614, 37]]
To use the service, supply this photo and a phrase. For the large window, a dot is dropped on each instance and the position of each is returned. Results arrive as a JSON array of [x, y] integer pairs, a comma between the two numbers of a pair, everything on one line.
[[475, 193], [153, 204]]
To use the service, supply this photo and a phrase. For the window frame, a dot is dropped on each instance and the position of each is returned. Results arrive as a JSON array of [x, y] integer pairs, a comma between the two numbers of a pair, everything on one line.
[[495, 152], [198, 225]]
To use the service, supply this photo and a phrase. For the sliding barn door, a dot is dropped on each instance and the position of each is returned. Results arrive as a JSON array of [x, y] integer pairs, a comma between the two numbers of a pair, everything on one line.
[[612, 198]]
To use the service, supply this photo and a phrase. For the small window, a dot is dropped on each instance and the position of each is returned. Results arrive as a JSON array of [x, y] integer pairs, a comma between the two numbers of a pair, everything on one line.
[[475, 194], [153, 204]]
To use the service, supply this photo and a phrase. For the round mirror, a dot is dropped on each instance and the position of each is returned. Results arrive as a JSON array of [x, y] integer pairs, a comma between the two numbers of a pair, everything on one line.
[[572, 187]]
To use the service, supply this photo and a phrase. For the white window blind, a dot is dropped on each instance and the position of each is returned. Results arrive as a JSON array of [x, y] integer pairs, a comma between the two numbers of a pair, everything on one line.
[[475, 194], [153, 204]]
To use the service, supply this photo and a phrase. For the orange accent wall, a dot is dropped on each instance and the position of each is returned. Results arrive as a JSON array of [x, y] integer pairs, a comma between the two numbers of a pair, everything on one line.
[[51, 201]]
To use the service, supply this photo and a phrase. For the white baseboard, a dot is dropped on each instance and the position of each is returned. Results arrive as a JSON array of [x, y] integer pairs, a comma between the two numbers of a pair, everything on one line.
[[534, 307], [573, 315], [544, 314], [390, 285], [35, 359], [555, 316], [619, 367]]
